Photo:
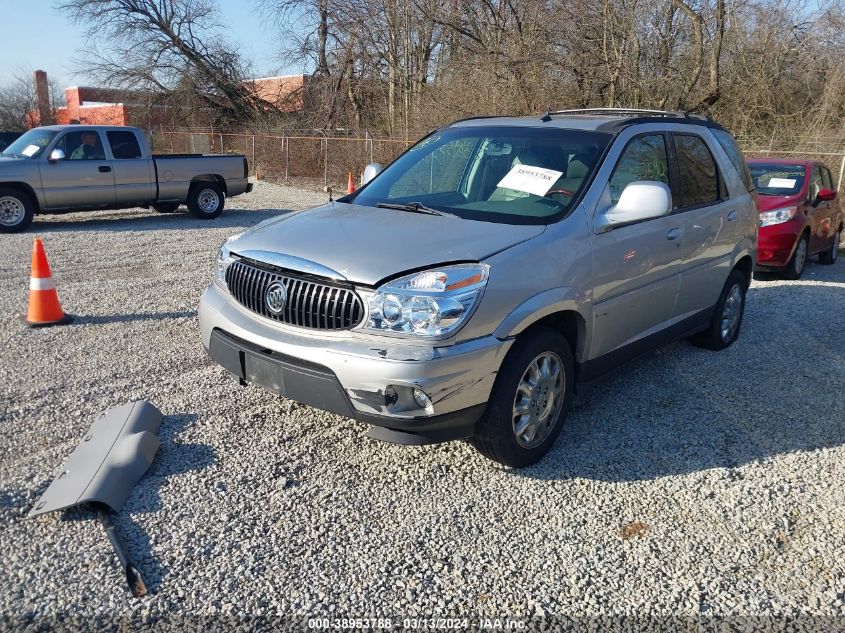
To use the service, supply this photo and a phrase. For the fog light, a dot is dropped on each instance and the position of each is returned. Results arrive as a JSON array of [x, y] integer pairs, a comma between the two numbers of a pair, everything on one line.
[[422, 398], [391, 397]]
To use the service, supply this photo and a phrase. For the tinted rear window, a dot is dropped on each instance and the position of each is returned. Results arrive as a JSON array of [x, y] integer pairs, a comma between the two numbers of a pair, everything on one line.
[[124, 145]]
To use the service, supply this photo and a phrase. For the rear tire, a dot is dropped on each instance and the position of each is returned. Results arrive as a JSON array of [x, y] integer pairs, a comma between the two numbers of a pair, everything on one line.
[[829, 256], [521, 423], [205, 200], [727, 315], [795, 268], [166, 207], [16, 210]]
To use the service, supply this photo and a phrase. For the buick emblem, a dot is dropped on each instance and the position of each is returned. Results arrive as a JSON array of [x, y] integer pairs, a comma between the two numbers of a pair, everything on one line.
[[276, 297]]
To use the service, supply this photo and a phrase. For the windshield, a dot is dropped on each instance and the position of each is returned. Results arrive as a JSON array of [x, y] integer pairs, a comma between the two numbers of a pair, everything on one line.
[[31, 144], [773, 179], [514, 175]]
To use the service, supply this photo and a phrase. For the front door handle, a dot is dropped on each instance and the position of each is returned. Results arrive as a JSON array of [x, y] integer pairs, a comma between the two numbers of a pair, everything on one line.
[[105, 169], [673, 234], [731, 216]]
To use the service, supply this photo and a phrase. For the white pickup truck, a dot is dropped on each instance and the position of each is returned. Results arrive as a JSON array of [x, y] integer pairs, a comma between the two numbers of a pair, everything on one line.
[[75, 167]]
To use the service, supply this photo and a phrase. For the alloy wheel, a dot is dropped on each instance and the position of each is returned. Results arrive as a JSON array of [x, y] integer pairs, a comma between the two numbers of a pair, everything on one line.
[[731, 313], [538, 400]]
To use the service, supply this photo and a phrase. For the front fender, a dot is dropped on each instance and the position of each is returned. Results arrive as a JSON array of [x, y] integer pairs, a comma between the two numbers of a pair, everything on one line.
[[541, 305]]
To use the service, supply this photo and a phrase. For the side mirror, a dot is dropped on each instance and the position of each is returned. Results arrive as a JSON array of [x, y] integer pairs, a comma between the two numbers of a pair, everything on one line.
[[826, 195], [57, 155], [640, 200], [370, 171]]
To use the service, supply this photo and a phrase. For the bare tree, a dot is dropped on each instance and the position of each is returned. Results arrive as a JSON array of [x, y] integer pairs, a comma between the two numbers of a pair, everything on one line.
[[166, 46], [18, 101]]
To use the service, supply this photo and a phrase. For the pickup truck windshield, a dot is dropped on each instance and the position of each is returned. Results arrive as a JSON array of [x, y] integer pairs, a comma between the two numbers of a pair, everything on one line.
[[512, 175], [776, 179], [30, 145]]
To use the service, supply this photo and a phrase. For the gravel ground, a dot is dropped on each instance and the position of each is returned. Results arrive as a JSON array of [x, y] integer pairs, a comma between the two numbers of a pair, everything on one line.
[[691, 483]]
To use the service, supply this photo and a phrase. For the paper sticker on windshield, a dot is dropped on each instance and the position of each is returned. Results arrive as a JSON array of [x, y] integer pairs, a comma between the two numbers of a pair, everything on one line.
[[781, 183], [29, 150], [536, 180]]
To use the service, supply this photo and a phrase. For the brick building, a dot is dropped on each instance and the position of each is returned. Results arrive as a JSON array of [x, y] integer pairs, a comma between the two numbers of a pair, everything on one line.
[[105, 106]]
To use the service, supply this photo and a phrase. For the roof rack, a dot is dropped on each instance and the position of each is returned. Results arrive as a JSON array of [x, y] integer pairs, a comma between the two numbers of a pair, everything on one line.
[[630, 112]]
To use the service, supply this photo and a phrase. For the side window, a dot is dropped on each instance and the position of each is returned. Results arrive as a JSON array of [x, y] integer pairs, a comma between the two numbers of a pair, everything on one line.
[[124, 145], [643, 159], [815, 185], [439, 172], [732, 150], [827, 179], [698, 177], [84, 145]]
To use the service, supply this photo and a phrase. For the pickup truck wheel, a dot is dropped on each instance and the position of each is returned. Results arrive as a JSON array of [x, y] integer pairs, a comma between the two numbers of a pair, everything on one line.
[[166, 207], [727, 315], [16, 210], [205, 201], [530, 398]]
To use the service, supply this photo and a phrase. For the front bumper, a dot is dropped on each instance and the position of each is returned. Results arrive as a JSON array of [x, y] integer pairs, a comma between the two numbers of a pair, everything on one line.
[[350, 374], [776, 243]]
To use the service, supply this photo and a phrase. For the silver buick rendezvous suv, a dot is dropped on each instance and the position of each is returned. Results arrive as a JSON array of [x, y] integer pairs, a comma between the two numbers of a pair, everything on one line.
[[465, 289]]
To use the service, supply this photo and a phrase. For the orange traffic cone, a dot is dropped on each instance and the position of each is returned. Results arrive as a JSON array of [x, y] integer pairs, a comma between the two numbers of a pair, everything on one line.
[[351, 187], [44, 307]]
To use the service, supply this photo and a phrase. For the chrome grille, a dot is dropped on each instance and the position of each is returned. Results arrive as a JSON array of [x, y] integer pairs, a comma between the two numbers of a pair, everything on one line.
[[310, 303]]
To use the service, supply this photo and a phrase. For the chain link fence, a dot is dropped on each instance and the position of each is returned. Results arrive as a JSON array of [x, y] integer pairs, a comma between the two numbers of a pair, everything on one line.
[[299, 156], [320, 158]]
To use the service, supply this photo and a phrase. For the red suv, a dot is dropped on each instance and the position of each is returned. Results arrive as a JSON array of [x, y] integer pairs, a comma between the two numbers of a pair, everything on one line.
[[800, 215]]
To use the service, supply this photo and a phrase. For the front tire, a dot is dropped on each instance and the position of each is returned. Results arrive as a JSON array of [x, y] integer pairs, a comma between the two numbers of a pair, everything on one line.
[[795, 268], [727, 315], [205, 200], [529, 401], [16, 210], [829, 256]]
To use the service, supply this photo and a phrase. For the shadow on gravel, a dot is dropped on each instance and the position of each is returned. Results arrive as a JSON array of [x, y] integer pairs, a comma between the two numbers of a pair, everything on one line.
[[122, 318], [172, 458], [130, 220], [681, 409]]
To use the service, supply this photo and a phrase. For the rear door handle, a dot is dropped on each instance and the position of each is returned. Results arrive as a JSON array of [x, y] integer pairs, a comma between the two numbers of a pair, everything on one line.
[[731, 216], [105, 169], [673, 234]]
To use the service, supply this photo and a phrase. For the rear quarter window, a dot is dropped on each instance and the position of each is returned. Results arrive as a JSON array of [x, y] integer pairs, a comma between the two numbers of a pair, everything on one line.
[[728, 144]]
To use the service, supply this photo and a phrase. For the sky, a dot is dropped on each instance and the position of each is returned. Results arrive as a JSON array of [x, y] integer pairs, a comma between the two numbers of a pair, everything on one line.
[[36, 35]]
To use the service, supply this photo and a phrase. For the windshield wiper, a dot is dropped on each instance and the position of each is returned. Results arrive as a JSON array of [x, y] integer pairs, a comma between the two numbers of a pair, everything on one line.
[[413, 207]]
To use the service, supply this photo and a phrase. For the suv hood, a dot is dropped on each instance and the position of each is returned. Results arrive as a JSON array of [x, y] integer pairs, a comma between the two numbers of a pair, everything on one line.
[[367, 244]]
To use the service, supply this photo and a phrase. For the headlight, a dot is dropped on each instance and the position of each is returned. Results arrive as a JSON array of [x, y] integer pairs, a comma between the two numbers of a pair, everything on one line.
[[429, 303], [224, 258], [777, 216]]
